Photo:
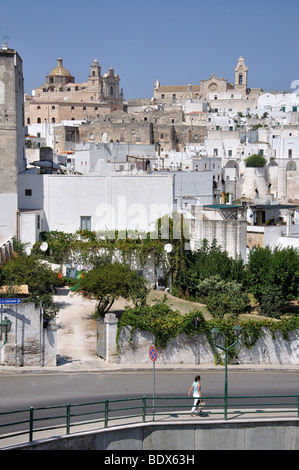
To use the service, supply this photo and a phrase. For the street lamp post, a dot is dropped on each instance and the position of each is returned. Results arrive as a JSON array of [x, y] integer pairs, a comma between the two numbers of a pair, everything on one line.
[[216, 334], [5, 326]]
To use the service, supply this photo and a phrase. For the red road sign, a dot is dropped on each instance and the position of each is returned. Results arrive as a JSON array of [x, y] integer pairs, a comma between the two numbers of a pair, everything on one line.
[[153, 353]]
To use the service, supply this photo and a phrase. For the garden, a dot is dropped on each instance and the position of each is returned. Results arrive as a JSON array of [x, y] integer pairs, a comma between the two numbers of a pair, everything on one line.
[[220, 291]]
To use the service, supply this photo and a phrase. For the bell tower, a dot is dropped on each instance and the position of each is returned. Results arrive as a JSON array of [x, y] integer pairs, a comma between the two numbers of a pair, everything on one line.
[[95, 75], [241, 74]]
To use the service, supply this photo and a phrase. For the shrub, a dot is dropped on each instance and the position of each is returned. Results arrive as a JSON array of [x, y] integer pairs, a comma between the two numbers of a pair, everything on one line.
[[161, 321], [255, 161], [223, 297]]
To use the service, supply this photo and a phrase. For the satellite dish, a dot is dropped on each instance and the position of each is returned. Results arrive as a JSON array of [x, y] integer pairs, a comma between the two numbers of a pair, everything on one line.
[[168, 247], [44, 246], [28, 250], [104, 138]]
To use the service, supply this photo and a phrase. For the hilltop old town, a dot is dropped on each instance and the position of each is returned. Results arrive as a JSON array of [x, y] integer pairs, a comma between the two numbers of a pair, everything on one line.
[[78, 156]]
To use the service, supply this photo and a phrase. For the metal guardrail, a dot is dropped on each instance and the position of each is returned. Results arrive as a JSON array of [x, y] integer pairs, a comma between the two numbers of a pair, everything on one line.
[[35, 419]]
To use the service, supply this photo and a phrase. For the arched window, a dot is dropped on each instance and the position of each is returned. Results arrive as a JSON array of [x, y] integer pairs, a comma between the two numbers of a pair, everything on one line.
[[28, 120], [111, 90], [53, 120], [39, 121], [291, 166]]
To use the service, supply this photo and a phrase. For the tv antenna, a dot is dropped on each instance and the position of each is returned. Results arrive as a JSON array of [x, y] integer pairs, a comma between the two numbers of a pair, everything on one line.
[[5, 44]]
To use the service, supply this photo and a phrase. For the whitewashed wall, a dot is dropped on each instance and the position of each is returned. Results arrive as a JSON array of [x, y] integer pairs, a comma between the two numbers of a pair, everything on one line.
[[29, 343], [112, 202], [197, 350], [8, 216]]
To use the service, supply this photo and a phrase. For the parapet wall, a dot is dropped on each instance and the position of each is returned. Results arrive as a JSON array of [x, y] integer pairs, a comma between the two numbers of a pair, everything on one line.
[[257, 435]]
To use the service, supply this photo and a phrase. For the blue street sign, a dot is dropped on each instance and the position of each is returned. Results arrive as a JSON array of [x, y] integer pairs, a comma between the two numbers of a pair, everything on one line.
[[10, 301]]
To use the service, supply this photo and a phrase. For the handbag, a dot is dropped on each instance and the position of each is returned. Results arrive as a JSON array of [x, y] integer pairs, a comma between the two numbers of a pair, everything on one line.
[[200, 403]]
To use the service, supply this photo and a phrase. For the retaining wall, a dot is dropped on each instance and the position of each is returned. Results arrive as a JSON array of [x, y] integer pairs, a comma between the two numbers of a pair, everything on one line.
[[196, 350]]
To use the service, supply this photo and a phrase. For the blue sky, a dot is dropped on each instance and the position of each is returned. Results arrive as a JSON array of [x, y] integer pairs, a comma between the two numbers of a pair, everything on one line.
[[176, 42]]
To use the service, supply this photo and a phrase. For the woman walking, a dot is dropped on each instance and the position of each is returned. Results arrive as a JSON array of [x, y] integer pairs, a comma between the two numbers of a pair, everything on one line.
[[195, 387]]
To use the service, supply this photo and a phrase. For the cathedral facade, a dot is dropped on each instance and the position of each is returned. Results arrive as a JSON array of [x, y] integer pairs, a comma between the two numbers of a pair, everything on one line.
[[61, 98], [220, 95]]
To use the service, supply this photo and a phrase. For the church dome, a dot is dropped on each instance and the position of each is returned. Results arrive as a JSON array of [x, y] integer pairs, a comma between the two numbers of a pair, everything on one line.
[[60, 70]]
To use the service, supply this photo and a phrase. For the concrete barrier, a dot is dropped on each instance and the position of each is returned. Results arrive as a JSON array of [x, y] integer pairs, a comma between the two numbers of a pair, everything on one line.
[[254, 435]]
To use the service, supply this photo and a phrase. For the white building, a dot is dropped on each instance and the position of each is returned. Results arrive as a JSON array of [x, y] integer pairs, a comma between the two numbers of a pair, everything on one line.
[[285, 102], [46, 131], [101, 159], [70, 202]]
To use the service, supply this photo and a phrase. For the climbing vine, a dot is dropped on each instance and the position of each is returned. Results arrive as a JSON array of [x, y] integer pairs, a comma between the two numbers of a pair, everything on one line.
[[165, 324], [127, 245]]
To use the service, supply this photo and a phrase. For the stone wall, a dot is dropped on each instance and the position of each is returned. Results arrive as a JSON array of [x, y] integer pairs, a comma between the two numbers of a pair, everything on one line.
[[167, 130], [30, 342], [12, 139], [197, 350]]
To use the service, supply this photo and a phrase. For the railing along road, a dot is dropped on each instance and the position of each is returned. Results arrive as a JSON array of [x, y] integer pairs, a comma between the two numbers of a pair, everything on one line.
[[27, 424]]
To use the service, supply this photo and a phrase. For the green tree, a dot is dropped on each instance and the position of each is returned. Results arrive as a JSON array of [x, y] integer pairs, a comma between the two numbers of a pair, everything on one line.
[[206, 262], [39, 277], [259, 271], [285, 271], [111, 281], [277, 268], [271, 302]]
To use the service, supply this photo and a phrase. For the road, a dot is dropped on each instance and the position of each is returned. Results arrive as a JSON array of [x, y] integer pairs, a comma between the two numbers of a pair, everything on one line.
[[54, 391], [23, 391]]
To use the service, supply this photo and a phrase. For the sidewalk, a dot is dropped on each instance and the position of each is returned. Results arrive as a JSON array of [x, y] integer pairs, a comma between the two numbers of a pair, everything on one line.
[[98, 365]]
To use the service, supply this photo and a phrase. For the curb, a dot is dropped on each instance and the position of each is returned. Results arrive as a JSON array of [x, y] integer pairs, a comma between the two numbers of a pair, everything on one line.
[[148, 368]]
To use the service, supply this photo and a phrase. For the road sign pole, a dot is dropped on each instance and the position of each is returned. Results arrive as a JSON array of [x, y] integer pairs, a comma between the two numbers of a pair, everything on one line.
[[153, 357], [154, 382], [16, 338]]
